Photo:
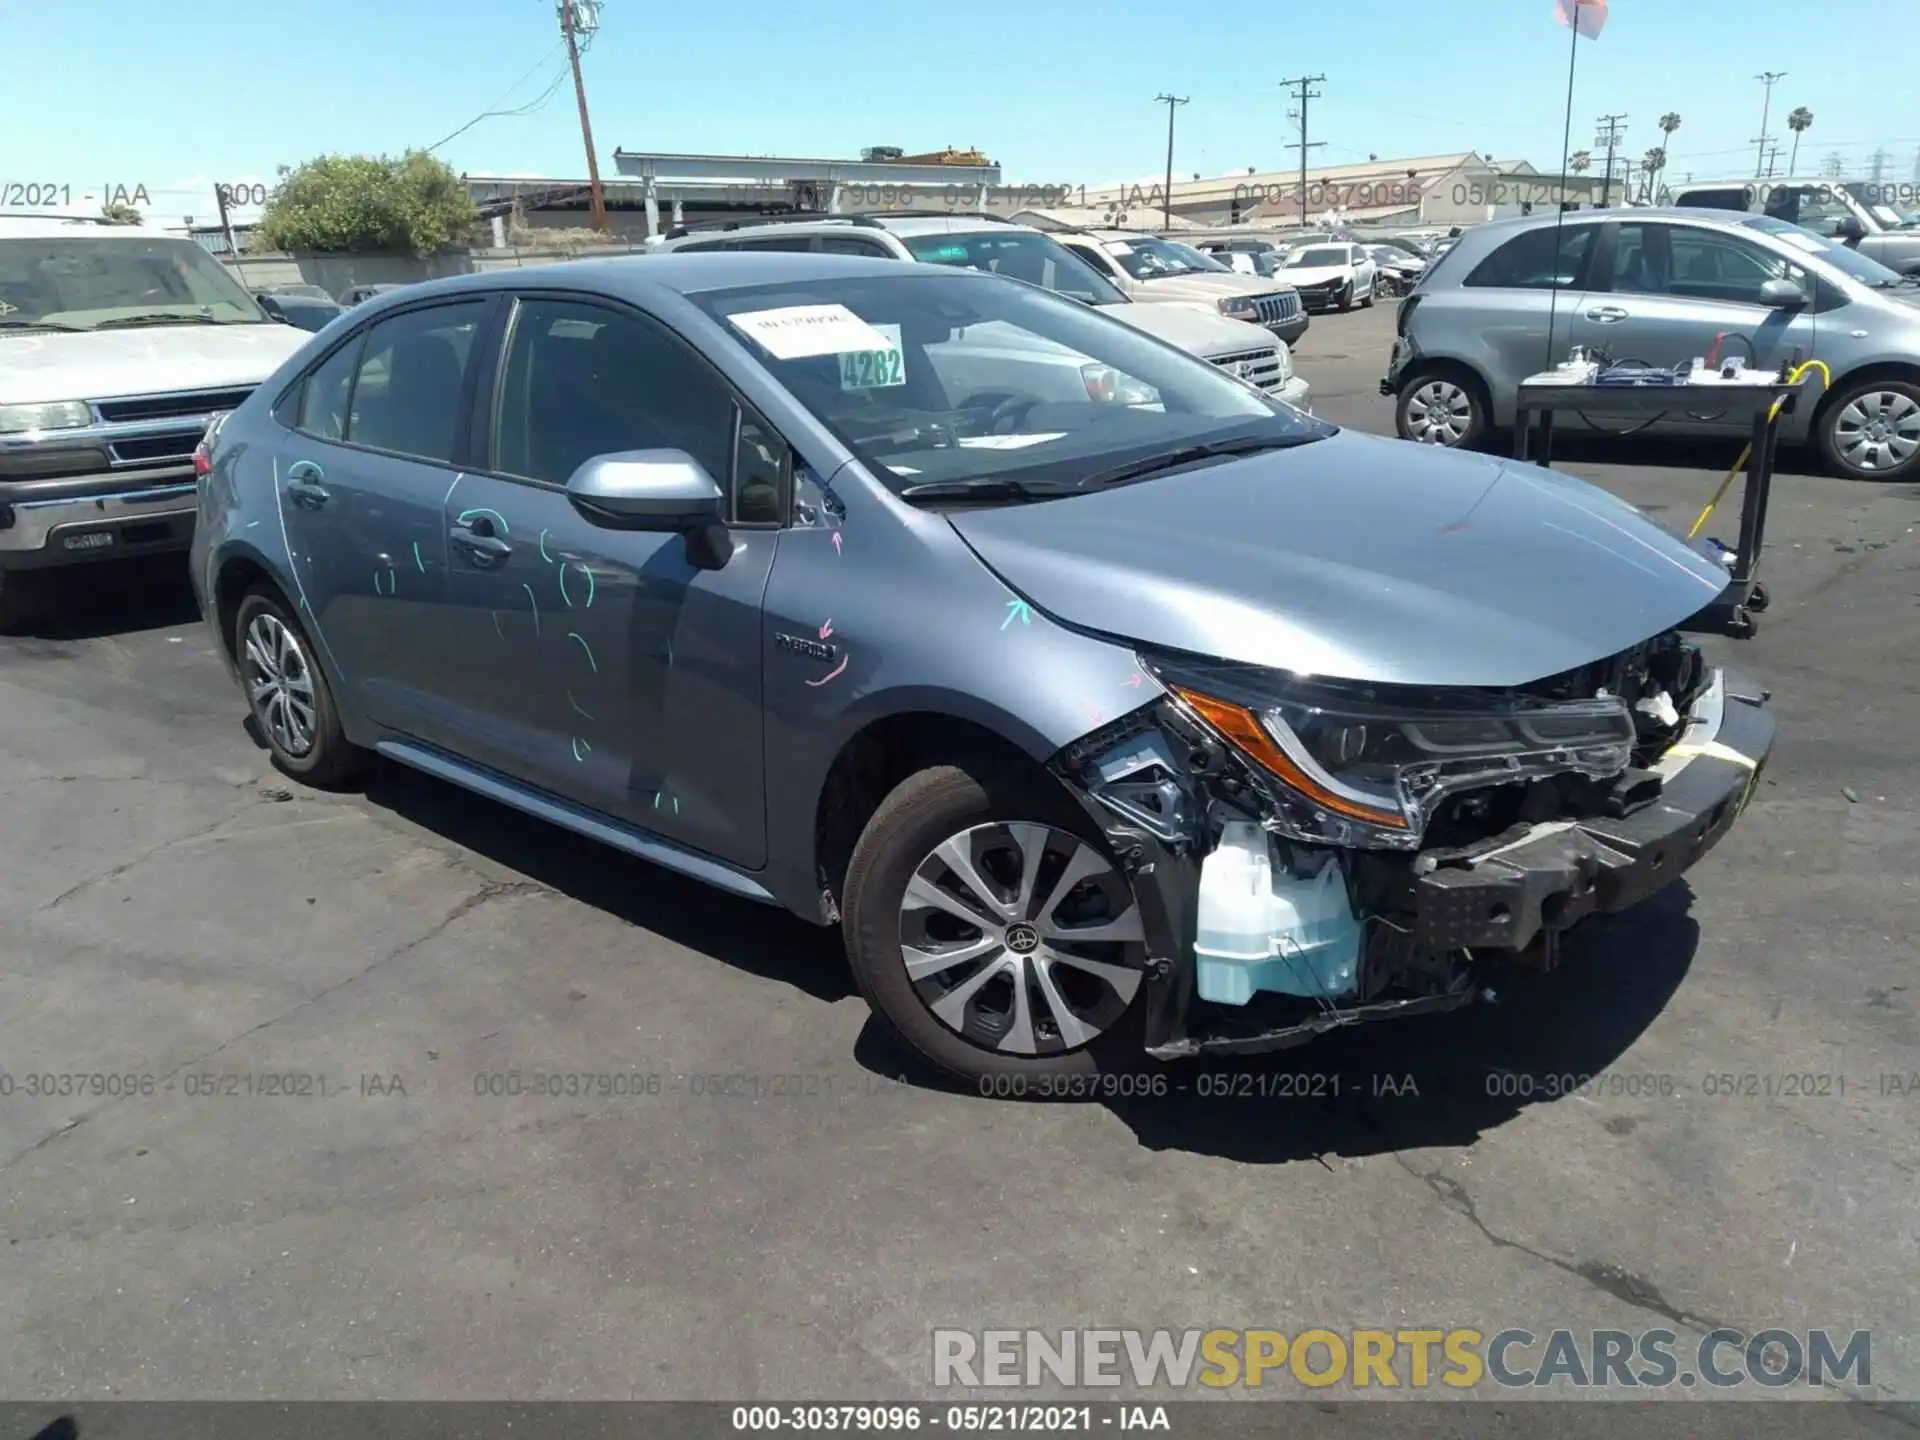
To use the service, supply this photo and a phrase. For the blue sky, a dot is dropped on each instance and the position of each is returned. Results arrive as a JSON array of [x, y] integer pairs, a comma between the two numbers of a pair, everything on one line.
[[175, 96]]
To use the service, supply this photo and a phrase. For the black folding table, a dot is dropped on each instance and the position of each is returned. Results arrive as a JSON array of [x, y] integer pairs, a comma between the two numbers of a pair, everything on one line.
[[1733, 612]]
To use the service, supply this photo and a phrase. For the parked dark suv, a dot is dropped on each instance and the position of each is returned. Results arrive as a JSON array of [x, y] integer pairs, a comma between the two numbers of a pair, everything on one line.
[[1104, 702]]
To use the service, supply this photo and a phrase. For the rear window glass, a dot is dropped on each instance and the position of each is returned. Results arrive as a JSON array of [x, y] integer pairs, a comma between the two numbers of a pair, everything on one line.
[[1531, 261]]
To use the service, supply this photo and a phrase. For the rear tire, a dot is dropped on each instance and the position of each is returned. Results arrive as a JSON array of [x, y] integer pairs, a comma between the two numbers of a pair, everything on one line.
[[1870, 430], [963, 898], [26, 600], [1441, 408], [288, 695]]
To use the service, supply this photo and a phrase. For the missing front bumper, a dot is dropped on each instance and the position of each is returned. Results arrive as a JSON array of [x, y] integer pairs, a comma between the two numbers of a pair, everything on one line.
[[1498, 899]]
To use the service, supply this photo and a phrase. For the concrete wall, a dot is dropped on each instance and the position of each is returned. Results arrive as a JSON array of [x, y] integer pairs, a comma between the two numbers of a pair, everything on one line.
[[335, 273]]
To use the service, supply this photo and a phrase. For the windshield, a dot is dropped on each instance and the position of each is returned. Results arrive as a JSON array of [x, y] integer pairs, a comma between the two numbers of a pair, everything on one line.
[[1840, 256], [91, 282], [1019, 255], [1317, 256], [1883, 201], [963, 379], [1149, 259], [1210, 263]]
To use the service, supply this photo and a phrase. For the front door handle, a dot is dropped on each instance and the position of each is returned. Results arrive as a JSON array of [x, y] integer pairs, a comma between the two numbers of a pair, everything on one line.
[[1607, 314], [304, 487], [484, 549]]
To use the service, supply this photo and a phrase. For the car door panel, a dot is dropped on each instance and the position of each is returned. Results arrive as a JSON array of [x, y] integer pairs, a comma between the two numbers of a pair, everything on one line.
[[597, 664], [361, 478]]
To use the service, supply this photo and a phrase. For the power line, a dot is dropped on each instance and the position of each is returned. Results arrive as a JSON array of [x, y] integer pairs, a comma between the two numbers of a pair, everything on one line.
[[1166, 197], [1303, 91], [490, 113]]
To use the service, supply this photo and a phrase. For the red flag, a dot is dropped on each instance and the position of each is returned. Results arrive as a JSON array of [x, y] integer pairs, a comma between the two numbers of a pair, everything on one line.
[[1585, 16]]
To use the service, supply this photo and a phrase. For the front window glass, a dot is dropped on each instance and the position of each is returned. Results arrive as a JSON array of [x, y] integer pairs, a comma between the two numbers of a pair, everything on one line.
[[955, 378], [1691, 264], [1318, 256], [1019, 255], [96, 282], [1843, 258], [1146, 258]]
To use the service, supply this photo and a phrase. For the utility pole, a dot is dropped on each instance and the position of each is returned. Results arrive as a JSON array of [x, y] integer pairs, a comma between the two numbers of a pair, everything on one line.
[[1166, 199], [1303, 91], [577, 18], [1608, 131], [1877, 166], [1770, 149], [1766, 78]]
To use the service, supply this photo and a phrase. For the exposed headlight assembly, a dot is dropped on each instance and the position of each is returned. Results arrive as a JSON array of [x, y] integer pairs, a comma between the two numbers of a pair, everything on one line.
[[1365, 765], [1239, 307], [47, 415]]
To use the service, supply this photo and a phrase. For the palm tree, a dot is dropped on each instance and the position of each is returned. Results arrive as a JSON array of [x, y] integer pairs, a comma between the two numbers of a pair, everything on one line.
[[1669, 123], [1651, 164], [1799, 120]]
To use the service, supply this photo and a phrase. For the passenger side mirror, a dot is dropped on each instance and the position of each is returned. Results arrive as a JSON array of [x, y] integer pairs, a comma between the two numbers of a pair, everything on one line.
[[1782, 295], [1850, 230], [647, 490]]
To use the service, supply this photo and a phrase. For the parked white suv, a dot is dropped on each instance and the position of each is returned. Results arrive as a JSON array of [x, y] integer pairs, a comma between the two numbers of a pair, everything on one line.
[[1146, 267], [979, 242], [117, 345]]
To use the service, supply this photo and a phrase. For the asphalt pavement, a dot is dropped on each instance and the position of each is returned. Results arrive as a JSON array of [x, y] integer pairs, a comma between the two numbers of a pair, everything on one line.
[[283, 1171]]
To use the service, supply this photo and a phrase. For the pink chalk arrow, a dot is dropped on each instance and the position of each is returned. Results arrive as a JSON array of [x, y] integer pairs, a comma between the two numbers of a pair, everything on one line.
[[1132, 682], [836, 542], [826, 629]]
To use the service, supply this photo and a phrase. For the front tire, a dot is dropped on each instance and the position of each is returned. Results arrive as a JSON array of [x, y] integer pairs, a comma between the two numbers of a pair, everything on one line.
[[987, 923], [1346, 297], [1871, 430], [1440, 409], [288, 695]]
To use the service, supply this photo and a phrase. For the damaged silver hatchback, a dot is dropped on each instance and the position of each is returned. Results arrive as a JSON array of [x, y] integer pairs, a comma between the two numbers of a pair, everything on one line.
[[1108, 705]]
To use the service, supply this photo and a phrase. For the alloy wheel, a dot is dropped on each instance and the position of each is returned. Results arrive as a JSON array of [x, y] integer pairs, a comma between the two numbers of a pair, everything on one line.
[[280, 685], [1878, 430], [1439, 412], [1022, 939]]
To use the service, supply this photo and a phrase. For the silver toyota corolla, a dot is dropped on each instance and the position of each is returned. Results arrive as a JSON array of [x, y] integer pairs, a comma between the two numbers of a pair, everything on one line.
[[1107, 705]]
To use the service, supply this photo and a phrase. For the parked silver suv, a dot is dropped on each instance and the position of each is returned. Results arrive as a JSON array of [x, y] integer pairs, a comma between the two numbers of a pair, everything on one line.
[[1665, 286]]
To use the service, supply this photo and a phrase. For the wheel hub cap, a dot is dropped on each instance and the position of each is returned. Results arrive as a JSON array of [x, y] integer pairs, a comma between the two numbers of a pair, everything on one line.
[[280, 685], [1878, 431], [1022, 939]]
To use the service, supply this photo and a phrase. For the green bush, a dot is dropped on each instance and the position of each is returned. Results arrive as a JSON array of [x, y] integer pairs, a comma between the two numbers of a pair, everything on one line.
[[414, 204], [120, 214]]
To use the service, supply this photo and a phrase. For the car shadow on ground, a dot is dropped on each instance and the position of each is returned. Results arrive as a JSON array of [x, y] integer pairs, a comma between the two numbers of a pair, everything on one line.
[[119, 597], [759, 939], [1404, 1085], [1714, 453]]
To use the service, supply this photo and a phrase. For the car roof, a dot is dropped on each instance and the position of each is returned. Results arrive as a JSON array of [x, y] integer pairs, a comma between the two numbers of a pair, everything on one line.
[[958, 223], [640, 277], [49, 227]]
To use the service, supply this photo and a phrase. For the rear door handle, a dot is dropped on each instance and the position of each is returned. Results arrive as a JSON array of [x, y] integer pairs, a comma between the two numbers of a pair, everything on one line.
[[304, 487], [1607, 314]]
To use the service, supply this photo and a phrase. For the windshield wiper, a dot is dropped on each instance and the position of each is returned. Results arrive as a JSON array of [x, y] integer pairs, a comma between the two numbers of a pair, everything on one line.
[[985, 487], [40, 325], [1189, 454], [159, 317]]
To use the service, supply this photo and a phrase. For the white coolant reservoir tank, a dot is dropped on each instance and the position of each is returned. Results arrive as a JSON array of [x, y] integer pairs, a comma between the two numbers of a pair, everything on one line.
[[1262, 929]]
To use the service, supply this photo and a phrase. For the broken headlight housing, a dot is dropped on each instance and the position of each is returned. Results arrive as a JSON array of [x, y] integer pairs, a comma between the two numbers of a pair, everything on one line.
[[1353, 764]]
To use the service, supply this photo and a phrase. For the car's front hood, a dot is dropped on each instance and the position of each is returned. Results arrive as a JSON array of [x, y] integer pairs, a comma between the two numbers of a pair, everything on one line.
[[1192, 328], [1318, 274], [149, 360], [1355, 557], [1203, 287]]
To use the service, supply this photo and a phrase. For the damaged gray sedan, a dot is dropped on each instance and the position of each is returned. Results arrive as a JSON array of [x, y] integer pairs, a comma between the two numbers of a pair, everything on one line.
[[1110, 707]]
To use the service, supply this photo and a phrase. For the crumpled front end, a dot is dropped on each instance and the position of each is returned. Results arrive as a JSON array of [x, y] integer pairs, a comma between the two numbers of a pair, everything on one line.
[[1311, 854]]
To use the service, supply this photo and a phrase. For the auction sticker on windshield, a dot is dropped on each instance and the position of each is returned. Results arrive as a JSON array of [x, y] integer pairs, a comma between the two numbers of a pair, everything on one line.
[[875, 369], [794, 332]]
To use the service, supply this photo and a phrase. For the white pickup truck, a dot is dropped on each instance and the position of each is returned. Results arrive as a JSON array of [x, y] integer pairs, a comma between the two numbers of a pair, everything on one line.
[[117, 345]]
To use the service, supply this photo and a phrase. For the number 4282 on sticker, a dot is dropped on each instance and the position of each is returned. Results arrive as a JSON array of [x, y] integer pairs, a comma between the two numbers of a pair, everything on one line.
[[874, 369]]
